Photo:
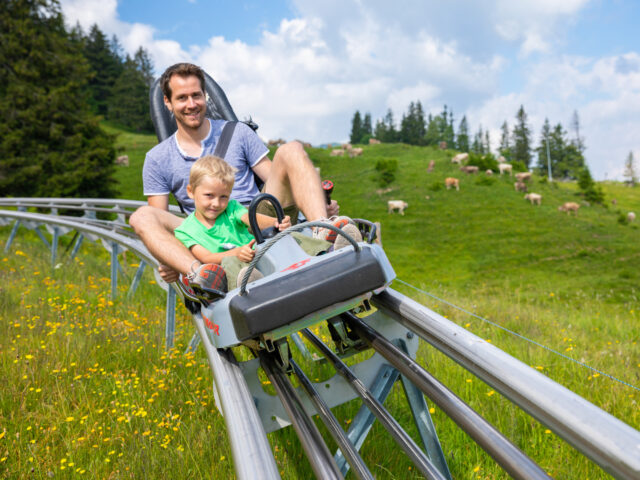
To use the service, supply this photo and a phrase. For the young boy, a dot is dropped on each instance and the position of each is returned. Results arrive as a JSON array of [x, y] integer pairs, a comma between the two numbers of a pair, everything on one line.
[[217, 231]]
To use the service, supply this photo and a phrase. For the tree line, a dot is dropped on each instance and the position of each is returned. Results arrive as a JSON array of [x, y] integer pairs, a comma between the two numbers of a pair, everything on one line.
[[118, 86], [557, 150], [55, 86]]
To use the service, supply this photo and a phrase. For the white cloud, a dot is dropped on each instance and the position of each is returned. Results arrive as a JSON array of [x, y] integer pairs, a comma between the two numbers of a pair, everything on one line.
[[131, 35], [535, 24], [306, 78]]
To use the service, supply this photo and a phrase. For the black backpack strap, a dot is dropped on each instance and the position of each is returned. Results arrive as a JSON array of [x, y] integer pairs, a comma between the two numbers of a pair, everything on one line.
[[225, 139]]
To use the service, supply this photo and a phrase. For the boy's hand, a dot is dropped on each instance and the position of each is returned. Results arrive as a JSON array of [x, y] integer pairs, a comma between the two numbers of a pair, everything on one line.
[[284, 224], [246, 253]]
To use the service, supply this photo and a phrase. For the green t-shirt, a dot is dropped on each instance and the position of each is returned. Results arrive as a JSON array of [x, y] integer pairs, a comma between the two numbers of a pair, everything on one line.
[[228, 230]]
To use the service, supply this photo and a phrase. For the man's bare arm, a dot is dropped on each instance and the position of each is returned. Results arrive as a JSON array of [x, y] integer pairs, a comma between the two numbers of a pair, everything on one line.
[[263, 168], [159, 201]]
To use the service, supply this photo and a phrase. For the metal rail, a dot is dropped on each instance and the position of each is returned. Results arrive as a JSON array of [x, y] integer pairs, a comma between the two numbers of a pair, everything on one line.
[[350, 452], [323, 464], [412, 450], [609, 442], [514, 461]]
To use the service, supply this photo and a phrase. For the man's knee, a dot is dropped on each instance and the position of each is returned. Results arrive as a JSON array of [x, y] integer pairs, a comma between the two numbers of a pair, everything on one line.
[[147, 218], [138, 218], [291, 152]]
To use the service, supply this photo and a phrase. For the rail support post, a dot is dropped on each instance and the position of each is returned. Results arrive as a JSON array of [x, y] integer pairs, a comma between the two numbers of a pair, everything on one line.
[[193, 343], [114, 270], [14, 231], [54, 245], [136, 278], [170, 326]]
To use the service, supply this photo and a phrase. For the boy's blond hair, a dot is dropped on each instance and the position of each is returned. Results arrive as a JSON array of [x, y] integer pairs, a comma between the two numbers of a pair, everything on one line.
[[211, 166]]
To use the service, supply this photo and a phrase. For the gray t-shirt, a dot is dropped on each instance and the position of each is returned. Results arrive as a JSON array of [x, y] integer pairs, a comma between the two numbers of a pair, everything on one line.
[[166, 166]]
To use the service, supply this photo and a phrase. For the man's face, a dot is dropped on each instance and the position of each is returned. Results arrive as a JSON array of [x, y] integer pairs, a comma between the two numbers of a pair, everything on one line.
[[187, 102]]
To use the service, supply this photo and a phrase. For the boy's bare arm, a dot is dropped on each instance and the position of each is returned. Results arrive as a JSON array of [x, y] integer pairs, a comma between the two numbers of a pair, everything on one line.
[[265, 221], [245, 253], [205, 256]]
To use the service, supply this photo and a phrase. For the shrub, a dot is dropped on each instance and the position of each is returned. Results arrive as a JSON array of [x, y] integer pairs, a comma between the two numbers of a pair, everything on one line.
[[590, 189], [622, 218], [483, 162], [519, 166], [386, 169], [435, 186]]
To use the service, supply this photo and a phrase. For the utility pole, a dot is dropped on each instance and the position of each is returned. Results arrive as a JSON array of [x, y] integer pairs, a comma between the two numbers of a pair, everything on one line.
[[548, 159]]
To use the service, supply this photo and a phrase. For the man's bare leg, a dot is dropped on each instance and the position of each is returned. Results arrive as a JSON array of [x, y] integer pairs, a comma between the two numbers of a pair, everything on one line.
[[155, 228], [294, 180]]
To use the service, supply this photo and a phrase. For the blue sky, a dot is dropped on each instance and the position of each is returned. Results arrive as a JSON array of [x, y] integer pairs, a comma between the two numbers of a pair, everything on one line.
[[301, 68]]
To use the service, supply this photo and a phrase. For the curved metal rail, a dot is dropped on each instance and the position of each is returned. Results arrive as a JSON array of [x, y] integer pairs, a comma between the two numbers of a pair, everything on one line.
[[606, 440]]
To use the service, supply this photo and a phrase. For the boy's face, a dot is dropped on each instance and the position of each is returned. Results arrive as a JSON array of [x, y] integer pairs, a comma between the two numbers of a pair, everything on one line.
[[211, 198]]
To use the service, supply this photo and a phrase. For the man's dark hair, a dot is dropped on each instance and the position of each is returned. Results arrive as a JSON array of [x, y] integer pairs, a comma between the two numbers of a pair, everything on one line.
[[183, 70]]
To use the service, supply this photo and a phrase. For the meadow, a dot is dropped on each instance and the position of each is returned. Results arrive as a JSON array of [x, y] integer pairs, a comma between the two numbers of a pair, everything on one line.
[[89, 390]]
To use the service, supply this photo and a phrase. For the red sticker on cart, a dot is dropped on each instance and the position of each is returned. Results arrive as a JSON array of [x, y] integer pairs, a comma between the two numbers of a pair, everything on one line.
[[297, 265], [212, 326]]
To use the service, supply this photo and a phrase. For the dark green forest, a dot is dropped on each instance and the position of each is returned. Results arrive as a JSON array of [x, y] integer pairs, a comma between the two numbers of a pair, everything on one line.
[[56, 85]]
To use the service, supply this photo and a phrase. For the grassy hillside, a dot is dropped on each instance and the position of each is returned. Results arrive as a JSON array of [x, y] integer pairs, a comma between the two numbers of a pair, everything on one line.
[[92, 392]]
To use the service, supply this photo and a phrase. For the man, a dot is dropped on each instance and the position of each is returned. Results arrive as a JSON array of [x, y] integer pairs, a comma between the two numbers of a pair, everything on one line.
[[290, 176]]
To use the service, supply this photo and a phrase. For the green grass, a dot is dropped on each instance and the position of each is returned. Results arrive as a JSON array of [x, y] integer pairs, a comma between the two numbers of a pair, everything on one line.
[[135, 146], [88, 383]]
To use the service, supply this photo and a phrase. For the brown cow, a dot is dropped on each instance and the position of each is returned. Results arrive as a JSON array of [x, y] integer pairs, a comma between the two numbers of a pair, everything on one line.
[[569, 207], [430, 167], [520, 186], [355, 152], [469, 169], [459, 158], [452, 182], [534, 198]]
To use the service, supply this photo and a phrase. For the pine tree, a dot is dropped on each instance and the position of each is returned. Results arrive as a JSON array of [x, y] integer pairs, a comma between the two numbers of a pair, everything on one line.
[[385, 129], [412, 129], [545, 140], [50, 143], [380, 130], [356, 128], [449, 135], [367, 131], [630, 173], [505, 141], [521, 150], [565, 158], [432, 135], [106, 67], [462, 141], [478, 142], [129, 99], [487, 142], [578, 141]]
